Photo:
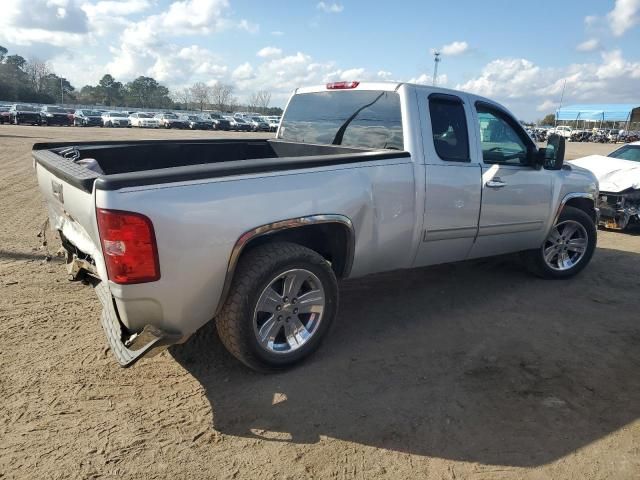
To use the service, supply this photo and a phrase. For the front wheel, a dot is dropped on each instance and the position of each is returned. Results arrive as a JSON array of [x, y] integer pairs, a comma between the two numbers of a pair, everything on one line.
[[282, 302], [568, 247]]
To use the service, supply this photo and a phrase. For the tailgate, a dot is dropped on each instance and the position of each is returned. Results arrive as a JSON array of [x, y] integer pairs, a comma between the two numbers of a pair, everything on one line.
[[67, 189]]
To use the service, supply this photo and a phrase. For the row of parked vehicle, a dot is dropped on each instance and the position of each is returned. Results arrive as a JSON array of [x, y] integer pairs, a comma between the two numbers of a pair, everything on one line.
[[595, 135], [54, 115]]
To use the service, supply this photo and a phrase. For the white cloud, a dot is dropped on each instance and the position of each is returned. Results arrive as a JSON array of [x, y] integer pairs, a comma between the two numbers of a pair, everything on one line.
[[588, 45], [623, 16], [590, 20], [117, 8], [330, 7], [146, 46], [384, 75], [547, 106], [58, 23], [277, 33], [269, 52], [352, 74], [523, 84], [426, 79], [248, 26], [454, 48], [243, 72]]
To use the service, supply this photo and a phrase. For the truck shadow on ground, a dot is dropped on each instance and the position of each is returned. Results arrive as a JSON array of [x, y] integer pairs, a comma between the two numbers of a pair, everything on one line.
[[474, 361]]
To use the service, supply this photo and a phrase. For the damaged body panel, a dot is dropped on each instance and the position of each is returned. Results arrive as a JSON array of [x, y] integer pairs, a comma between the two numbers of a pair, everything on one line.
[[619, 178]]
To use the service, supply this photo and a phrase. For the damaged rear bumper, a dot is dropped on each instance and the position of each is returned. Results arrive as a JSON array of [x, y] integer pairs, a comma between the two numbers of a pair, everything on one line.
[[129, 348]]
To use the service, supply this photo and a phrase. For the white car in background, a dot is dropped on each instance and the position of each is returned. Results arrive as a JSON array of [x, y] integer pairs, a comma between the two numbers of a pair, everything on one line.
[[143, 120], [115, 119], [273, 122], [563, 130]]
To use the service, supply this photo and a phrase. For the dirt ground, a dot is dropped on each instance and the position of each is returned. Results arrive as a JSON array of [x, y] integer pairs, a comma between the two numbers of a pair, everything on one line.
[[473, 370]]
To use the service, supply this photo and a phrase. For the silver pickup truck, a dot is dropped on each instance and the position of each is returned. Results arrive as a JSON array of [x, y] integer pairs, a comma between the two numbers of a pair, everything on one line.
[[360, 178]]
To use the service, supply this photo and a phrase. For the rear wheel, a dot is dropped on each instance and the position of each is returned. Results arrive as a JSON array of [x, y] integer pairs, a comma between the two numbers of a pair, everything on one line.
[[567, 249], [282, 302]]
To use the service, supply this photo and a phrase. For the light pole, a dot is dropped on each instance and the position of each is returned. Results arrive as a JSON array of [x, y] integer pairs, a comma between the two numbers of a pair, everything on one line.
[[436, 61]]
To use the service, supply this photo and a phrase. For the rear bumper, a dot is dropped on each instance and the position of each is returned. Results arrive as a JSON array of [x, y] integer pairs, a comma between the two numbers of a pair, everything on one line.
[[129, 348]]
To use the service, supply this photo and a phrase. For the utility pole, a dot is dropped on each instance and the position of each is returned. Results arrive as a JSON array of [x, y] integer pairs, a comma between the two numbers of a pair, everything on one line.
[[561, 99], [436, 61]]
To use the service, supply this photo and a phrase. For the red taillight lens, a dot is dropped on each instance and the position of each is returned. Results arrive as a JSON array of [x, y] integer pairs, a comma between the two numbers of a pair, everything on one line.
[[342, 85], [129, 246]]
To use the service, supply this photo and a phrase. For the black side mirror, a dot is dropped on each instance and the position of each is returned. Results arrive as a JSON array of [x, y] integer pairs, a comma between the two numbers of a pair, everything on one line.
[[551, 157]]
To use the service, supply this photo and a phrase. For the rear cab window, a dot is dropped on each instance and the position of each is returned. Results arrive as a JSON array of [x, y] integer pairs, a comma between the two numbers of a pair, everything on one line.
[[354, 118], [449, 128]]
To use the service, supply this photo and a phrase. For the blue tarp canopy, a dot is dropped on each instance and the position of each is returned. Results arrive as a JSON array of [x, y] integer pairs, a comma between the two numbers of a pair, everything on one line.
[[613, 112]]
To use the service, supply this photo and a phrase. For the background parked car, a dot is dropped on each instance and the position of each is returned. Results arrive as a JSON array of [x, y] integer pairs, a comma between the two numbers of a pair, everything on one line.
[[237, 124], [171, 120], [257, 124], [115, 119], [273, 122], [4, 113], [87, 118], [143, 120], [53, 115], [219, 122], [195, 122], [23, 113]]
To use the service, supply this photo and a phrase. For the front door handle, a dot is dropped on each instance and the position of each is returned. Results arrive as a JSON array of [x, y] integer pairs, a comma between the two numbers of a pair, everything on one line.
[[495, 182]]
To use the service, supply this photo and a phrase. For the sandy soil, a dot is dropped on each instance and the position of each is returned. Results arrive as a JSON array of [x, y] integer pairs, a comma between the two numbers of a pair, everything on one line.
[[472, 370]]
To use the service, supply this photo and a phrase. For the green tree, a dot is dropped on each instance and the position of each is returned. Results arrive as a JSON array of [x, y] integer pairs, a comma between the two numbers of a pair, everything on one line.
[[89, 95], [15, 60], [58, 88], [109, 90], [3, 52], [548, 119], [147, 92]]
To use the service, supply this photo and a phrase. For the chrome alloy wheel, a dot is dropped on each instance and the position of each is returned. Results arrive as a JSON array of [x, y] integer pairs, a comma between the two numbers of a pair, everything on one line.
[[565, 246], [289, 311]]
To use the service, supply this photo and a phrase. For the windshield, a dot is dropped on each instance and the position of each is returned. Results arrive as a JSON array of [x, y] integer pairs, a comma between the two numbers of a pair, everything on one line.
[[193, 118], [92, 113], [56, 110], [25, 108], [170, 115], [144, 115], [628, 152], [117, 114], [366, 119]]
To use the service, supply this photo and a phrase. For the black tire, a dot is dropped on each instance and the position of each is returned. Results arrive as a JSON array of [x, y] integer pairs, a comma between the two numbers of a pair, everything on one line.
[[255, 270], [534, 259]]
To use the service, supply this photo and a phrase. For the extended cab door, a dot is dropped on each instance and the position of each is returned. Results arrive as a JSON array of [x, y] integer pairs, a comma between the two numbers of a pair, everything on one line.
[[516, 197], [452, 183]]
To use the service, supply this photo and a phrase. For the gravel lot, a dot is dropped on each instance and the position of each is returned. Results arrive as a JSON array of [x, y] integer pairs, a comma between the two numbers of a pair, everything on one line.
[[471, 370]]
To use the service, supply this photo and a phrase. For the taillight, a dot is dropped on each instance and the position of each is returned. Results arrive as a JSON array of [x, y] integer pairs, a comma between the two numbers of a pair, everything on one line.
[[342, 85], [129, 246]]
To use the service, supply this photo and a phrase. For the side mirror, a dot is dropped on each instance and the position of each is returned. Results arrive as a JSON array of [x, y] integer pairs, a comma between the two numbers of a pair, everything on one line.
[[552, 156]]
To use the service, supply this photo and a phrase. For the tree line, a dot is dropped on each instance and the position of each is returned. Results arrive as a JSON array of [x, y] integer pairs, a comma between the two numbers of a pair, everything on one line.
[[34, 81]]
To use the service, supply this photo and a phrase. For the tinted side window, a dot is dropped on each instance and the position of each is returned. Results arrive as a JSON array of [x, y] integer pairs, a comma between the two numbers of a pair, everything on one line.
[[449, 126], [500, 141]]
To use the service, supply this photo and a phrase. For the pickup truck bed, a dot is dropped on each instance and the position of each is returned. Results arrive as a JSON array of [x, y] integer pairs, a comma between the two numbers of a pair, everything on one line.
[[128, 164]]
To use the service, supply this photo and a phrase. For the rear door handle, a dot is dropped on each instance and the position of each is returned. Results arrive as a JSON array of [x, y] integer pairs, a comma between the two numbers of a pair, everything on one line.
[[495, 182]]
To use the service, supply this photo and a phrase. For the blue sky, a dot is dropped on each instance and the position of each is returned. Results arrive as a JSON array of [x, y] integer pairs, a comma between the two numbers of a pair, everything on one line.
[[520, 53]]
